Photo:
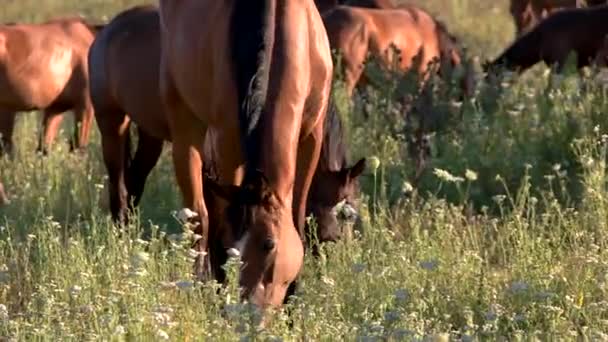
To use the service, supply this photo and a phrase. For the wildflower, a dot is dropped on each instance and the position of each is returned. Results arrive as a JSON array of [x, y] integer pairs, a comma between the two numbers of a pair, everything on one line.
[[3, 313], [518, 287], [186, 214], [139, 259], [499, 198], [391, 316], [233, 253], [75, 290], [4, 274], [429, 265], [401, 334], [119, 330], [193, 253], [196, 237], [407, 188], [328, 281], [374, 163], [184, 284], [447, 177], [470, 175], [162, 335], [557, 167], [401, 295], [165, 285], [358, 268]]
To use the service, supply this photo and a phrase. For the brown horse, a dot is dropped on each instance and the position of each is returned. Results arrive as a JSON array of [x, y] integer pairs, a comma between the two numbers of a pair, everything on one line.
[[258, 73], [357, 32], [580, 31], [44, 67], [120, 97], [528, 13]]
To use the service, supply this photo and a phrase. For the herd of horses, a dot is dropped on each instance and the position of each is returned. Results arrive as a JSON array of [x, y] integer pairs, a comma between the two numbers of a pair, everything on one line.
[[242, 89]]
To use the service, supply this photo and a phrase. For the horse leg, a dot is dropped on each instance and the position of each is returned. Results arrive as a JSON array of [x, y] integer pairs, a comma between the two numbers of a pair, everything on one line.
[[309, 151], [148, 152], [51, 122], [114, 129], [188, 134], [83, 119], [7, 126]]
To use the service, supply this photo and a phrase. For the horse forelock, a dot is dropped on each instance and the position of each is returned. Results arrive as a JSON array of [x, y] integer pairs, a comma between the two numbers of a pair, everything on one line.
[[252, 39]]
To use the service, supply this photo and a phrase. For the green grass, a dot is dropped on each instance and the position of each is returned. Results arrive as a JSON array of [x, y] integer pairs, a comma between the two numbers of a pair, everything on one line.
[[513, 249]]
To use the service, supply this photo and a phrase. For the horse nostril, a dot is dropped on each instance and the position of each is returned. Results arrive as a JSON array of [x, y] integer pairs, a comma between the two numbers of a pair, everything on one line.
[[269, 245]]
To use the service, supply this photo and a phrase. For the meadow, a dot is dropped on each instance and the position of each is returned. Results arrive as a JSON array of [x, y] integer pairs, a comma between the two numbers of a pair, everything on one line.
[[503, 238]]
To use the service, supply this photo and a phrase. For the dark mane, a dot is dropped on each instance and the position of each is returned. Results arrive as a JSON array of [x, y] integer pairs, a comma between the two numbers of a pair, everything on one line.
[[251, 45], [334, 150]]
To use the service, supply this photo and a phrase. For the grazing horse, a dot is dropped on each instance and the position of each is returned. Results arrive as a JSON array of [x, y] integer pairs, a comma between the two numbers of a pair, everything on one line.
[[121, 83], [258, 74], [44, 67], [581, 31], [528, 13], [357, 32]]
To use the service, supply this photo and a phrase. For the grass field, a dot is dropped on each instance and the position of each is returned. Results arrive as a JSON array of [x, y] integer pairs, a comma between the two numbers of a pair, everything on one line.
[[504, 238]]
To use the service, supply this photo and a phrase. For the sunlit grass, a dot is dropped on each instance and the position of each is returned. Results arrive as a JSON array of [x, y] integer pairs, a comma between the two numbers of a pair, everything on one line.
[[504, 237]]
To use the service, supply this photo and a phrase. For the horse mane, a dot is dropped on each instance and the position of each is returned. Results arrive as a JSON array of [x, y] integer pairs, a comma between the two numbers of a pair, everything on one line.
[[334, 149], [251, 46]]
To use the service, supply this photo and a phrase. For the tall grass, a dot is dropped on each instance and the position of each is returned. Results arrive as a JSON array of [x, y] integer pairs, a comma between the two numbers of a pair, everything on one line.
[[504, 238]]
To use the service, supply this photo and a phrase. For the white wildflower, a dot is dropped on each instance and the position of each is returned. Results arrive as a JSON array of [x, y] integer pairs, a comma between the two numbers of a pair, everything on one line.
[[233, 253], [119, 330], [186, 214], [162, 335], [3, 313], [470, 175], [75, 290], [328, 281], [374, 163], [139, 259], [447, 177], [407, 188]]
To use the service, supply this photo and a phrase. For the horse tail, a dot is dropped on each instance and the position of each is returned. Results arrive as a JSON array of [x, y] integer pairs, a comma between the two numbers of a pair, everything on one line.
[[252, 41], [522, 54]]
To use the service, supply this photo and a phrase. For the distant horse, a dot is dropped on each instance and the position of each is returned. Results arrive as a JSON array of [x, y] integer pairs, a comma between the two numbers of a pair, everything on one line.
[[359, 32], [579, 31], [121, 83], [528, 13], [44, 67], [257, 72]]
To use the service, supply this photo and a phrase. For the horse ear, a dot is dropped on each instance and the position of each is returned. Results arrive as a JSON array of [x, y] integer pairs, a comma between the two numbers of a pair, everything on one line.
[[357, 169], [226, 192]]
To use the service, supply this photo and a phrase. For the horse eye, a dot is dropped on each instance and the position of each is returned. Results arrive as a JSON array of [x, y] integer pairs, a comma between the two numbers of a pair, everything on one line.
[[268, 245]]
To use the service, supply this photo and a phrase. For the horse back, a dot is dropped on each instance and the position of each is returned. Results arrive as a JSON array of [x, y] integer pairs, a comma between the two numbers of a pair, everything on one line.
[[42, 64]]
